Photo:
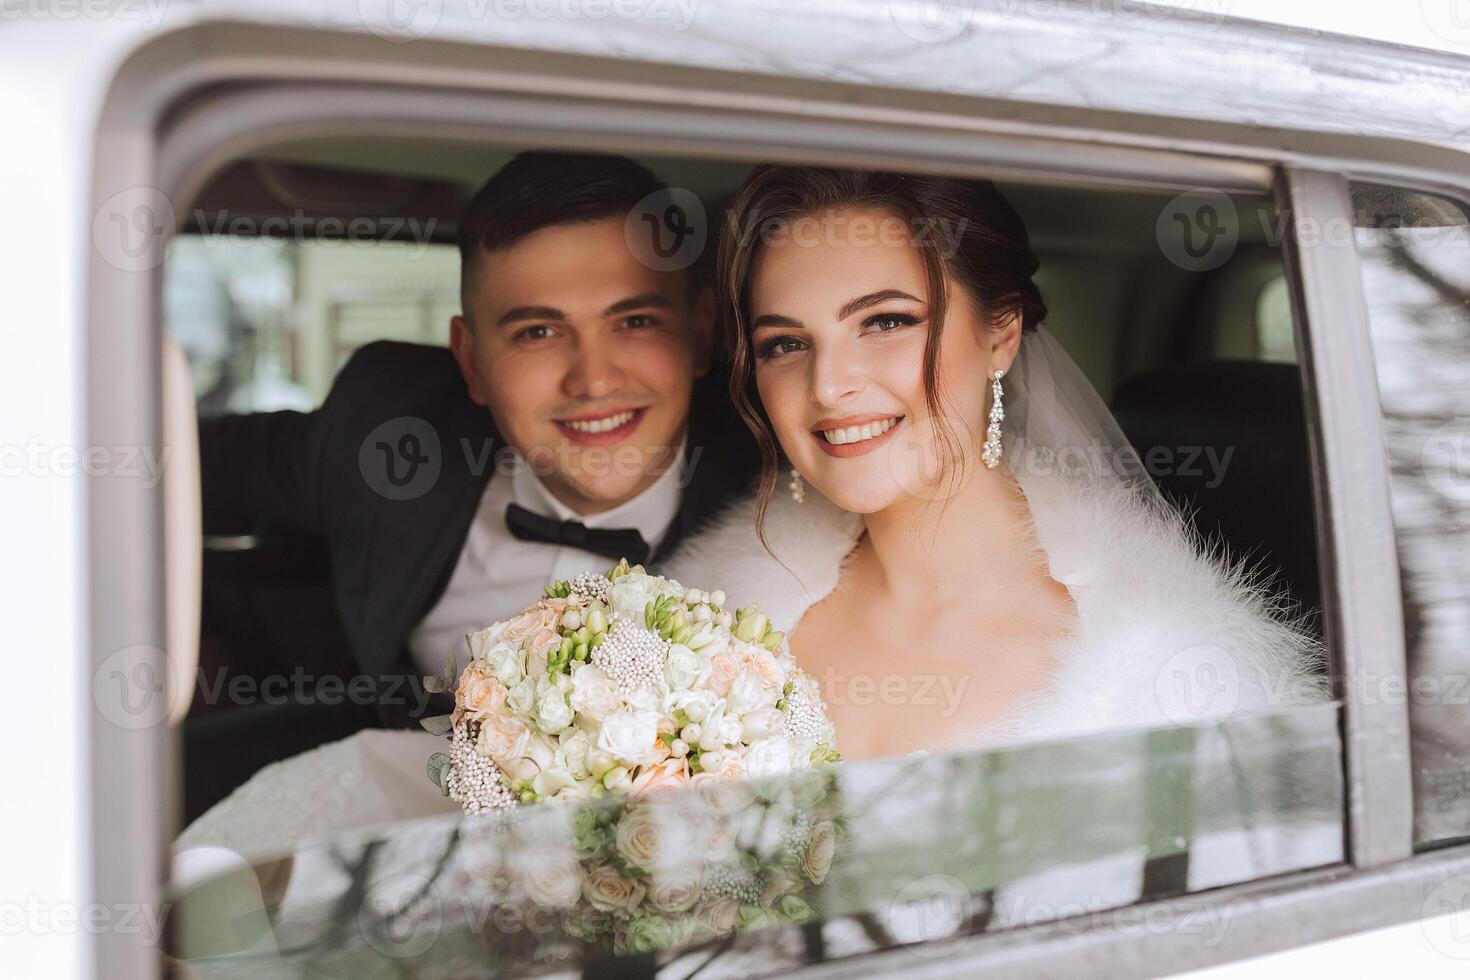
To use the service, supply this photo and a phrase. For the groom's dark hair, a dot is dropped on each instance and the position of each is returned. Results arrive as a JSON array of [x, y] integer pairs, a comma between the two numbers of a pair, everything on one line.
[[541, 188]]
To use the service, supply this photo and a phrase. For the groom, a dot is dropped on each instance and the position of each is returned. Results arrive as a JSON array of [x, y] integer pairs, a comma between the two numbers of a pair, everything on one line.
[[573, 419]]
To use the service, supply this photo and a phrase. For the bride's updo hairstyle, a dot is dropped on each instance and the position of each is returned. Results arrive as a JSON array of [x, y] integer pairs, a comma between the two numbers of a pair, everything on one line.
[[970, 235]]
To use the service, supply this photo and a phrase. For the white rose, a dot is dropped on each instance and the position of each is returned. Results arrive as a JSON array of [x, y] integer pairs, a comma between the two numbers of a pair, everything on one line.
[[593, 695], [506, 661], [572, 753], [629, 735], [634, 591], [486, 638], [553, 881], [522, 697], [768, 757], [761, 723], [748, 693], [553, 714], [685, 667]]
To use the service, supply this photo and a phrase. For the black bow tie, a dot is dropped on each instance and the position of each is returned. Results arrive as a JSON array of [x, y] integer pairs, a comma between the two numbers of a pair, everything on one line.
[[610, 543]]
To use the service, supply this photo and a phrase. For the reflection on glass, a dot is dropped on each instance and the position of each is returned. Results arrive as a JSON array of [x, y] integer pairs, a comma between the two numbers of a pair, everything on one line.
[[756, 878], [266, 324], [1415, 254]]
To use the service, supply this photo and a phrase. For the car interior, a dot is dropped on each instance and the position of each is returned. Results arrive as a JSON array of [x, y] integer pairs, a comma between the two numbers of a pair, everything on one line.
[[1198, 365]]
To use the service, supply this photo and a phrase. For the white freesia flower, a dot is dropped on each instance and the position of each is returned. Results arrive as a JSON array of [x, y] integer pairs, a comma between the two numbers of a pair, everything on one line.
[[768, 757], [709, 730], [730, 729], [548, 782], [696, 703], [761, 723], [593, 694], [685, 667], [629, 735]]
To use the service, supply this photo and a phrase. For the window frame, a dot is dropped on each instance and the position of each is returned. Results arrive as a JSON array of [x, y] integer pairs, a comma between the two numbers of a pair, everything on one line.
[[163, 128]]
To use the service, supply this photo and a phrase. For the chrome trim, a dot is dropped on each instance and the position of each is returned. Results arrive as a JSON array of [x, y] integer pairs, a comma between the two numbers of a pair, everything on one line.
[[1362, 602]]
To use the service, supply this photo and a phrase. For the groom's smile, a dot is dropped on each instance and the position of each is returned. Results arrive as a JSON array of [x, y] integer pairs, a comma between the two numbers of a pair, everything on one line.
[[607, 428]]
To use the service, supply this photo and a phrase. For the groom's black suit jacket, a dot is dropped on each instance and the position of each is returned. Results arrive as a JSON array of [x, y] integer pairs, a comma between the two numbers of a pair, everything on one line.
[[390, 471]]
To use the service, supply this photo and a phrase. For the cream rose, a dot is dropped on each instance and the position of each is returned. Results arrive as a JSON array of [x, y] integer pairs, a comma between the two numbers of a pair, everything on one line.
[[539, 648], [764, 663], [676, 889], [670, 775], [816, 858], [552, 882], [652, 836], [720, 915], [722, 670], [609, 891], [480, 694]]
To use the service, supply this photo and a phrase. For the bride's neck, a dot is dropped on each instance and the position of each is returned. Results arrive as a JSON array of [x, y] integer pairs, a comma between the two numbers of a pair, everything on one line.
[[976, 542]]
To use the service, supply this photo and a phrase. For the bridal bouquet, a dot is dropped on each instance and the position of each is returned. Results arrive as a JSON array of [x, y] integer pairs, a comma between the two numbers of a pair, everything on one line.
[[624, 683]]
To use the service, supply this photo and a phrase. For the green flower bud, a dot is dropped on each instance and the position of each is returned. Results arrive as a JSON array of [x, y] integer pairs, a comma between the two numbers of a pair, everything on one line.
[[596, 621], [795, 908], [750, 627], [581, 651], [773, 640]]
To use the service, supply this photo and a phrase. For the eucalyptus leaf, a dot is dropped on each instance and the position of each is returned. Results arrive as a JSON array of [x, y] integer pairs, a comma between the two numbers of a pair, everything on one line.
[[437, 725], [439, 771]]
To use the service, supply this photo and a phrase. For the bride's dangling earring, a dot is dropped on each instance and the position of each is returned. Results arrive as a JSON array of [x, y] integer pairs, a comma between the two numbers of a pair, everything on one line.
[[991, 452], [798, 488]]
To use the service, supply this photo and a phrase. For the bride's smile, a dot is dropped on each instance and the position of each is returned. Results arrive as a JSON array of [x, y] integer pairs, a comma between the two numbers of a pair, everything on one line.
[[854, 435]]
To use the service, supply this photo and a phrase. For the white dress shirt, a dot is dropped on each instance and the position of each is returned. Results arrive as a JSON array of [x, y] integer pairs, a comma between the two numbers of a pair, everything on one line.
[[497, 574]]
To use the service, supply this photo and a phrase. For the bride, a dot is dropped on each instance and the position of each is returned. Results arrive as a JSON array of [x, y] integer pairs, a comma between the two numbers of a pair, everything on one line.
[[979, 557]]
